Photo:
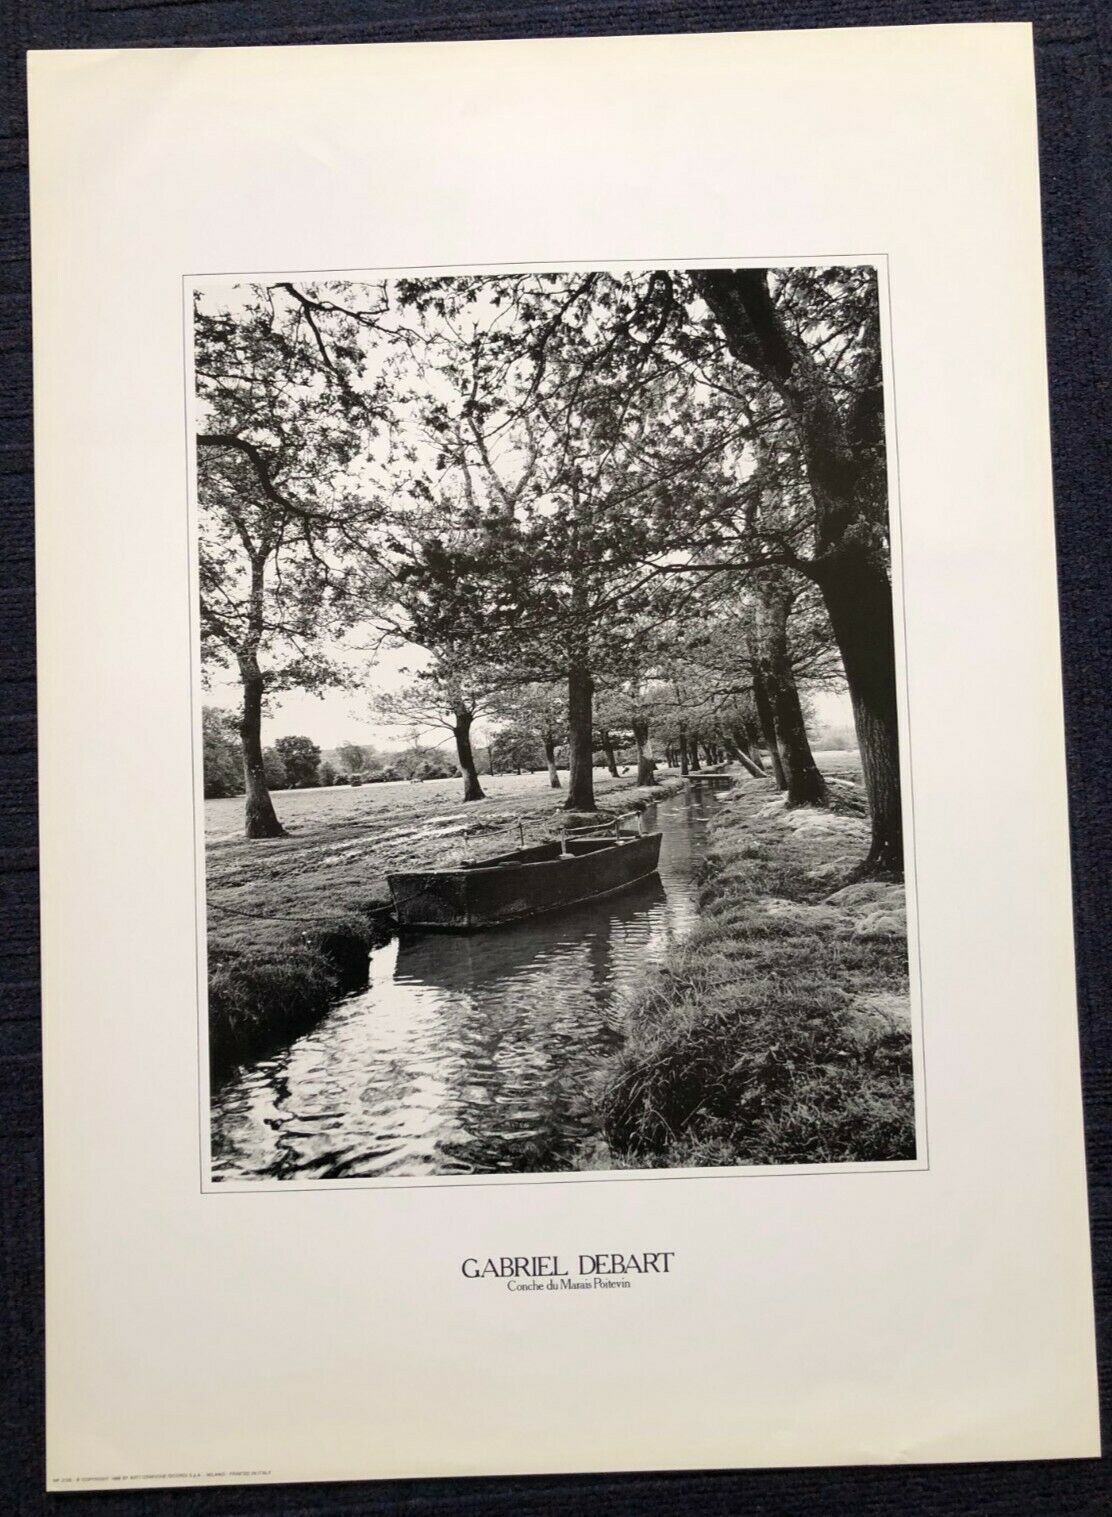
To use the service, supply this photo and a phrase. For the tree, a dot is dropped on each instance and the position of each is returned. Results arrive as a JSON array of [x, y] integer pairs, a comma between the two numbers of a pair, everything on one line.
[[442, 697], [640, 704], [535, 714], [839, 424], [747, 656], [517, 748], [737, 674], [701, 351], [355, 758], [417, 763], [301, 758], [557, 479], [606, 743], [274, 770], [534, 528], [223, 769], [773, 598], [282, 415]]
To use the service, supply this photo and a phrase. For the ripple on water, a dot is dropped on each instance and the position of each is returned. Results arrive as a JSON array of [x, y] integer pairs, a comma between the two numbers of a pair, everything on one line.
[[465, 1054]]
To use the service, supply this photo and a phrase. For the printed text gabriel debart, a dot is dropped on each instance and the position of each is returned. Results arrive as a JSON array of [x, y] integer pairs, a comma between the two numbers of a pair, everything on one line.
[[539, 1266]]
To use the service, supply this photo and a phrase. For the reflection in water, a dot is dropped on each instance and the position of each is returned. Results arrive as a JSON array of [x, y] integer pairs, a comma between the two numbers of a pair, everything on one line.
[[465, 1054]]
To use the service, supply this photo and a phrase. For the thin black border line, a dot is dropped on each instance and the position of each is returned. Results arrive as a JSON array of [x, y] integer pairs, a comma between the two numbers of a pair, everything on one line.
[[621, 1177], [816, 260], [907, 698], [193, 550], [766, 1172]]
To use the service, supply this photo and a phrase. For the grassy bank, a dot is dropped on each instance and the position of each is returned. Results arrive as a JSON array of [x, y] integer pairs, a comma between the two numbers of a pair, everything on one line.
[[778, 1032], [291, 921], [261, 998]]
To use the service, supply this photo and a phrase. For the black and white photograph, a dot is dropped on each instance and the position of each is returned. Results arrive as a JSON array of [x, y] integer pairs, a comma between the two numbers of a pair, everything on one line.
[[548, 700], [554, 817]]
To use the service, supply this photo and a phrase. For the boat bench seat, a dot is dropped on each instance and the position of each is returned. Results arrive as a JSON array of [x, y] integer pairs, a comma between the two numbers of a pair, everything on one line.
[[539, 853]]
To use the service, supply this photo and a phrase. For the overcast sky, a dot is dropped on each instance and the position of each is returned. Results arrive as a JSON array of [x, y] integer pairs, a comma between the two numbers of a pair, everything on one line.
[[345, 716]]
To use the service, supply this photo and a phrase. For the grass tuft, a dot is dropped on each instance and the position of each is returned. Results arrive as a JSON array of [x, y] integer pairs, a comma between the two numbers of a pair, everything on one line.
[[777, 1032], [260, 999]]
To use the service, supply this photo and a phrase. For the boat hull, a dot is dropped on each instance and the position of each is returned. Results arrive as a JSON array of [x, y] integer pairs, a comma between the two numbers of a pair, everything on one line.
[[470, 898]]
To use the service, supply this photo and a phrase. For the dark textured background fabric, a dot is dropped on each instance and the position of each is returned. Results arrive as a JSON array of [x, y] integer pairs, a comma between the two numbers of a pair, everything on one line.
[[1073, 63]]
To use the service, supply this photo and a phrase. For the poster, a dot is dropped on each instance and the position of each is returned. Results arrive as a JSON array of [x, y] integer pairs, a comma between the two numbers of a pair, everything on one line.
[[459, 423]]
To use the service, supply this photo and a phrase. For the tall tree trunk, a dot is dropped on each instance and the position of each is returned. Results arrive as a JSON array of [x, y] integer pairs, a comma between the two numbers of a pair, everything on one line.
[[751, 765], [859, 600], [803, 782], [645, 764], [805, 785], [550, 760], [844, 455], [693, 763], [768, 728], [685, 759], [260, 818], [606, 743], [747, 749], [472, 790], [739, 753], [581, 747]]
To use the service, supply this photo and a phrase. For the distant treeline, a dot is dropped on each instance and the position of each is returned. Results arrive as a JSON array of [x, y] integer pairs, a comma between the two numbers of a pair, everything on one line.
[[297, 763]]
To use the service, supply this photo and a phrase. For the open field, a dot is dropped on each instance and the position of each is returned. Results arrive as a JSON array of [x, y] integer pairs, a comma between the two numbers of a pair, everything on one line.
[[779, 1031], [310, 809], [344, 841]]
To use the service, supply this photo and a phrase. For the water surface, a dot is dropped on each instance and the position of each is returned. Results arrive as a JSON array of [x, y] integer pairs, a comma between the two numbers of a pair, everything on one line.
[[465, 1054]]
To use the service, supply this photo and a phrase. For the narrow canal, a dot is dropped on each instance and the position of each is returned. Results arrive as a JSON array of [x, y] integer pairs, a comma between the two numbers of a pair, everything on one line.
[[466, 1054]]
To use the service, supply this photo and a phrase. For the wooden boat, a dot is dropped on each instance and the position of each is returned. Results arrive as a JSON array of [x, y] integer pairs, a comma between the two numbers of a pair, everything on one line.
[[508, 887]]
